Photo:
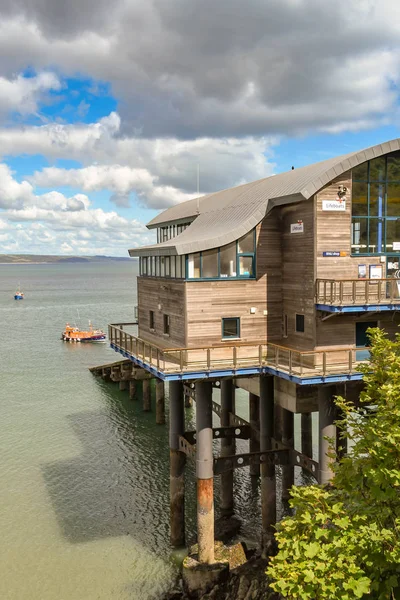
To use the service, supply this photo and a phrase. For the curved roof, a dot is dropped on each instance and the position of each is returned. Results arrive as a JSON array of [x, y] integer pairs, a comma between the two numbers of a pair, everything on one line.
[[225, 216]]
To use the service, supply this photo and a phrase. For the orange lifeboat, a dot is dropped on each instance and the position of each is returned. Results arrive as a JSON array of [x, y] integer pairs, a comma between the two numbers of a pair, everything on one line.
[[75, 334]]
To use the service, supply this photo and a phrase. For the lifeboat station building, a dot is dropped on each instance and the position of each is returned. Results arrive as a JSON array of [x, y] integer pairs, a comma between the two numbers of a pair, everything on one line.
[[270, 287]]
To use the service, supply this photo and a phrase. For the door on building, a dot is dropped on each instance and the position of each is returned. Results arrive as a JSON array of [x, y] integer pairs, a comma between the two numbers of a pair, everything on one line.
[[393, 272], [362, 341]]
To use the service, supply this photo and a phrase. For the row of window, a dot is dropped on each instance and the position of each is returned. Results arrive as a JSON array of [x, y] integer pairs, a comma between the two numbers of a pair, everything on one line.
[[170, 231], [231, 261], [376, 205], [230, 325]]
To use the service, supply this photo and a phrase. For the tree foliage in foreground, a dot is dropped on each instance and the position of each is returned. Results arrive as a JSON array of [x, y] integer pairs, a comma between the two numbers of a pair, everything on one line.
[[343, 541]]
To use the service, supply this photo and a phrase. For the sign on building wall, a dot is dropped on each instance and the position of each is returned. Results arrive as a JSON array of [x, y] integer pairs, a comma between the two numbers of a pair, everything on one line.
[[375, 271], [362, 271], [337, 205], [396, 245], [297, 227], [335, 253]]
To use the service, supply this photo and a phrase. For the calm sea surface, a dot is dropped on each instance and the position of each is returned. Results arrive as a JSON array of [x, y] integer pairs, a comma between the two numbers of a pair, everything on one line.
[[84, 495]]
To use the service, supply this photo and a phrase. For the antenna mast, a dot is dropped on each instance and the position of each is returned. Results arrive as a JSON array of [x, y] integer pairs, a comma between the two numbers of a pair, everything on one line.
[[198, 189]]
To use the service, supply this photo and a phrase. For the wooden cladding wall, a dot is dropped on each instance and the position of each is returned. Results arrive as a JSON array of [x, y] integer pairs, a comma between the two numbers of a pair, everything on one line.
[[170, 296], [298, 273], [341, 330], [209, 301], [333, 233]]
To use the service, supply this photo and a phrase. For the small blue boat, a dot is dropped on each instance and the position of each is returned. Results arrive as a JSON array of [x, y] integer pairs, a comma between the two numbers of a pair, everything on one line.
[[19, 295]]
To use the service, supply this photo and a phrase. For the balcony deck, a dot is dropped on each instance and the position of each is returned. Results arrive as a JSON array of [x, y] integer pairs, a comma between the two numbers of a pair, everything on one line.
[[303, 368], [357, 295]]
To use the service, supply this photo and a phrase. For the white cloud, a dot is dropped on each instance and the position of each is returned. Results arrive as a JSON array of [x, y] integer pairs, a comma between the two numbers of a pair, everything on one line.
[[22, 94]]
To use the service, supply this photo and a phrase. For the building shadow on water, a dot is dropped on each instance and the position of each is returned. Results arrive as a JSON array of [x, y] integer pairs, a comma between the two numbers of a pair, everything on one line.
[[119, 483]]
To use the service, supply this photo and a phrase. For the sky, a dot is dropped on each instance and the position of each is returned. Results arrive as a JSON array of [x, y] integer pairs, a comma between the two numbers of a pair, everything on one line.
[[108, 109]]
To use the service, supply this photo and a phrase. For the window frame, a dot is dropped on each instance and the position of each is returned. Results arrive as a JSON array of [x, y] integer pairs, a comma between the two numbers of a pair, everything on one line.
[[301, 315], [152, 320], [237, 319], [166, 324]]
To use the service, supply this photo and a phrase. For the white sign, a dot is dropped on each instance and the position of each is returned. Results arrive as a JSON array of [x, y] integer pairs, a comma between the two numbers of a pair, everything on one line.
[[375, 271], [396, 245], [338, 205], [297, 228]]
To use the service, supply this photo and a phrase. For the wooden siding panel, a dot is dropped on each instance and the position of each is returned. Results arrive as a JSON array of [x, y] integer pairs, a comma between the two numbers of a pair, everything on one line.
[[169, 295]]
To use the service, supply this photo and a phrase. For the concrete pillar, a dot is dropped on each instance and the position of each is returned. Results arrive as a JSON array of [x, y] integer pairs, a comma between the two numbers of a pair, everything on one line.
[[133, 389], [227, 446], [268, 483], [288, 440], [146, 391], [204, 472], [122, 385], [327, 415], [254, 410], [177, 464], [160, 402], [306, 434]]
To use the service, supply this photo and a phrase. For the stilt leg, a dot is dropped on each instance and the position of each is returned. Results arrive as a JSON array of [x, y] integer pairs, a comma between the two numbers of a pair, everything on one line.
[[288, 440], [254, 405], [160, 402], [122, 385], [326, 429], [133, 389], [177, 465], [227, 446], [146, 395], [204, 472], [268, 484], [306, 434]]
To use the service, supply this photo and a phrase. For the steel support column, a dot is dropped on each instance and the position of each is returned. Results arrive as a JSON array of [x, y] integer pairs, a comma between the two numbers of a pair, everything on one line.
[[254, 411], [227, 446], [133, 389], [327, 416], [160, 402], [268, 483], [287, 439], [177, 464], [204, 472], [146, 395]]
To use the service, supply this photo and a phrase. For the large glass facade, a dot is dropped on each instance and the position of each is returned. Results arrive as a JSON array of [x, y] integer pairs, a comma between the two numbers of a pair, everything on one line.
[[376, 206], [170, 231], [162, 266], [233, 261]]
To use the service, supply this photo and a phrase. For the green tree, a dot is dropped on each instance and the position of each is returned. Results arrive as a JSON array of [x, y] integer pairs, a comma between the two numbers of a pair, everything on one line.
[[343, 540]]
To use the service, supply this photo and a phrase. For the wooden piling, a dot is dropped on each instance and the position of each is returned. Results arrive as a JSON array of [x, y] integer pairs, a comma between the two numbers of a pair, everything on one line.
[[227, 446], [160, 402], [177, 464], [133, 389], [287, 439], [254, 411], [268, 482], [146, 390], [123, 385], [204, 472]]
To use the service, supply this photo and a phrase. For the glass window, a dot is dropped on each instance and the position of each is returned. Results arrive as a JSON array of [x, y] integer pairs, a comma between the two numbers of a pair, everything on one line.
[[145, 265], [300, 323], [173, 271], [228, 260], [246, 243], [210, 263], [166, 324], [393, 200], [377, 169], [359, 195], [167, 266], [392, 234], [231, 328], [246, 266], [194, 266], [285, 326], [153, 266], [157, 266], [151, 319], [359, 236], [178, 267], [376, 199], [393, 167], [376, 233], [360, 173], [162, 266]]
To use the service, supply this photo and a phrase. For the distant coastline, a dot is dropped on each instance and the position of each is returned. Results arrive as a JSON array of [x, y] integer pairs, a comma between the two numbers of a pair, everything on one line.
[[34, 259]]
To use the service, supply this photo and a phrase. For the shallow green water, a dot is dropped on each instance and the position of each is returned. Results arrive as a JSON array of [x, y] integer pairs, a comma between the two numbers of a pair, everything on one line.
[[84, 473]]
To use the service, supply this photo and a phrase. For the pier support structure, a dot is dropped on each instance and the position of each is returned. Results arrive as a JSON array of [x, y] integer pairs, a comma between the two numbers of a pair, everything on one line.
[[327, 416], [177, 464], [227, 446], [287, 438], [146, 390], [133, 389], [306, 434], [122, 385], [254, 412], [204, 472], [268, 484], [160, 402]]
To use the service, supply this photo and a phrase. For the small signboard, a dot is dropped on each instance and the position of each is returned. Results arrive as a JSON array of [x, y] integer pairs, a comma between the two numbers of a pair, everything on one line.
[[297, 227], [336, 205], [335, 253], [375, 271], [396, 245], [362, 271]]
